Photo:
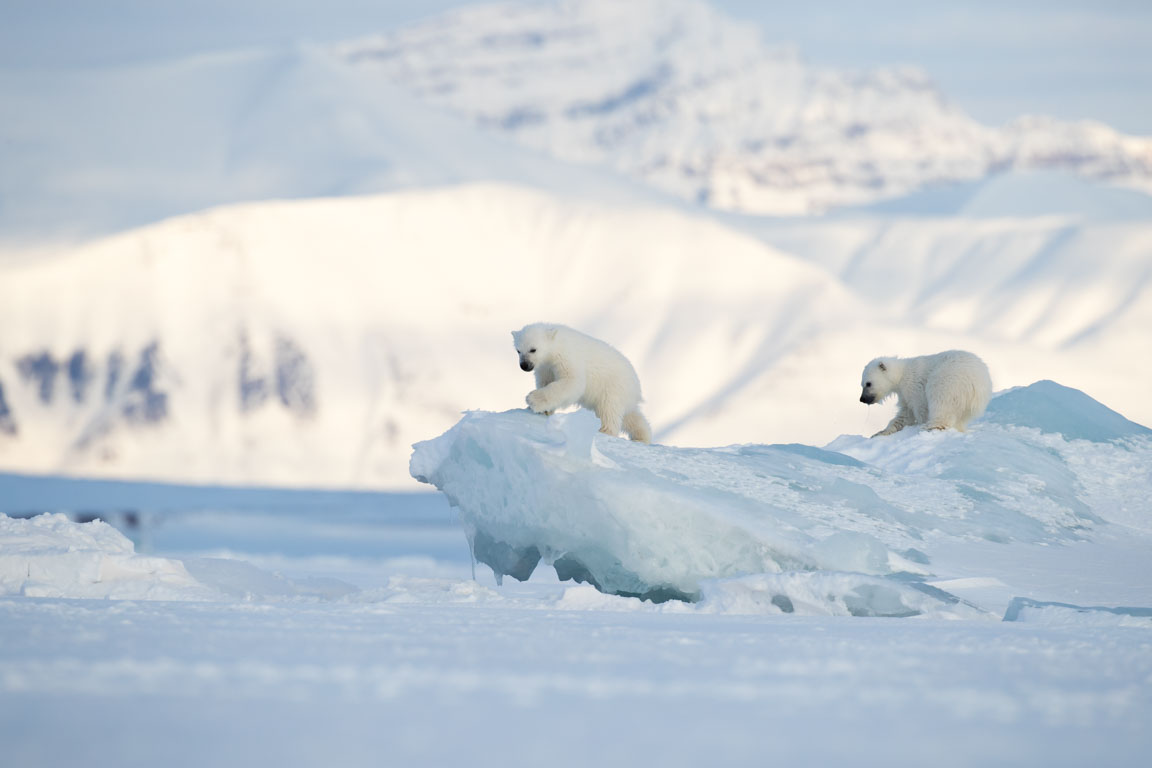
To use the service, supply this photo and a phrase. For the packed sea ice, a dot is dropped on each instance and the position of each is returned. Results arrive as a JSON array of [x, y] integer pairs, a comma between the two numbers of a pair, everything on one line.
[[865, 527]]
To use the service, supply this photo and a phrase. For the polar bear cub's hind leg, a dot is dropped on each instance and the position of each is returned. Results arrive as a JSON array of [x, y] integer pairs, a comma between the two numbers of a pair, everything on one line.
[[636, 427], [611, 420], [942, 409]]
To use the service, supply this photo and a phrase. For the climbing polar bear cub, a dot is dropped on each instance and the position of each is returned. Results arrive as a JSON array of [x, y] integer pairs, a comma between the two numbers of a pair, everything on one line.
[[944, 390], [573, 368]]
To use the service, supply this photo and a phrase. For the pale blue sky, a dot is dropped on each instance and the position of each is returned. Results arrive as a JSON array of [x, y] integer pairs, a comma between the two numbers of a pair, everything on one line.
[[995, 58]]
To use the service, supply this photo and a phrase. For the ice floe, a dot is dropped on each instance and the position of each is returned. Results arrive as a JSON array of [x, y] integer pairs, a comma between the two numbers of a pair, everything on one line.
[[844, 530]]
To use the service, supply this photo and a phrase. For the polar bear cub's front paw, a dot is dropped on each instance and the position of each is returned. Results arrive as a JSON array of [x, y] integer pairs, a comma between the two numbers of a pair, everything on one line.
[[538, 402]]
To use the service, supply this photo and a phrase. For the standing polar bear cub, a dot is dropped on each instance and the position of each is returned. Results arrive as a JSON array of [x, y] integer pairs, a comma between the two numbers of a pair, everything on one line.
[[573, 368], [944, 390]]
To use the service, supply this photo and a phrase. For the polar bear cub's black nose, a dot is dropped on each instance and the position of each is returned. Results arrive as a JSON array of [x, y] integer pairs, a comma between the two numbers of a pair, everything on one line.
[[526, 365], [867, 399]]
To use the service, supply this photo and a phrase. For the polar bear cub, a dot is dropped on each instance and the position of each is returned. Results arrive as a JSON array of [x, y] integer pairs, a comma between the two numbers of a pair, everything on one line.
[[574, 368], [944, 390]]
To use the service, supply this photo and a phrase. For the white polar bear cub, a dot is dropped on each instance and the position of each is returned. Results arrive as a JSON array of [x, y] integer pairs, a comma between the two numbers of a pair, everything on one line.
[[574, 368], [944, 390]]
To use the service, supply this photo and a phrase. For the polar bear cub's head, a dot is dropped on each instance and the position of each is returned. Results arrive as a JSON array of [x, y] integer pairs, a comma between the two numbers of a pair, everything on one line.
[[533, 344], [879, 380]]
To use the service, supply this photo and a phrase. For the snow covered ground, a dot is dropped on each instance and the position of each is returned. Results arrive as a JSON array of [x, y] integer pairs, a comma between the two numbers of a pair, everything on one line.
[[453, 673], [305, 628]]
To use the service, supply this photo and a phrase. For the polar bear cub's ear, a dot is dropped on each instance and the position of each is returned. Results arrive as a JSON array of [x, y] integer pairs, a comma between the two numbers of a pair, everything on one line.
[[552, 332], [883, 367]]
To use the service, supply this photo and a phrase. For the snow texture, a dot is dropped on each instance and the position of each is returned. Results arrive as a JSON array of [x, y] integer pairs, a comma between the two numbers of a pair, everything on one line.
[[657, 522]]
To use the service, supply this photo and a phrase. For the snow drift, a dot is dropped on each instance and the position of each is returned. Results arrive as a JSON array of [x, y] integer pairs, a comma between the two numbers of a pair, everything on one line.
[[51, 556], [657, 522]]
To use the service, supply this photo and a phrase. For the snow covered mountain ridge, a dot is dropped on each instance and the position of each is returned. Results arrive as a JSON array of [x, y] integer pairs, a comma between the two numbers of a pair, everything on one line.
[[311, 342], [674, 93], [638, 101]]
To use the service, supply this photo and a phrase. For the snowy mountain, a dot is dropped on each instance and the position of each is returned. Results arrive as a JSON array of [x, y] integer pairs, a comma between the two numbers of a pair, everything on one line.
[[1051, 281], [676, 94], [649, 101], [312, 342]]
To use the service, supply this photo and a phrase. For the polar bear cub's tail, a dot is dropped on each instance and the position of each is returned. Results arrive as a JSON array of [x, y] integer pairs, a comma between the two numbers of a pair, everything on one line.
[[636, 426]]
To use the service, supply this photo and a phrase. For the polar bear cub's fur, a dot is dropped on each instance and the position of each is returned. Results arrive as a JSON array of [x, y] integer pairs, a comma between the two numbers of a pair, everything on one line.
[[574, 368], [941, 391]]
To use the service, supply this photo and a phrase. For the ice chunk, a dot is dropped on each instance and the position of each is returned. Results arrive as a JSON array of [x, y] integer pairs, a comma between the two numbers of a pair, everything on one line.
[[1066, 614], [240, 579], [830, 593], [642, 520], [414, 589], [51, 556], [656, 521], [1003, 484], [1053, 408]]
